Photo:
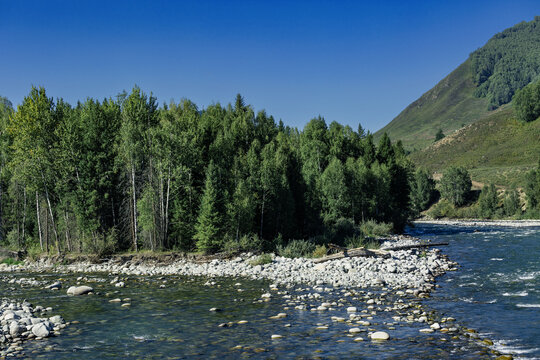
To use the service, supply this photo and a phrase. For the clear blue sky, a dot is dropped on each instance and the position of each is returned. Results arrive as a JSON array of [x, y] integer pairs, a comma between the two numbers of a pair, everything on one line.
[[349, 61]]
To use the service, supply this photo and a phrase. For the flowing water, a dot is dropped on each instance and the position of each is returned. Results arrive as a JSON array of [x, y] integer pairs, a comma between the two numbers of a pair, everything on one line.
[[495, 291]]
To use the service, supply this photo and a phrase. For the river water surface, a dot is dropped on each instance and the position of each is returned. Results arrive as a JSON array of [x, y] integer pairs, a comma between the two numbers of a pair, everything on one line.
[[495, 291]]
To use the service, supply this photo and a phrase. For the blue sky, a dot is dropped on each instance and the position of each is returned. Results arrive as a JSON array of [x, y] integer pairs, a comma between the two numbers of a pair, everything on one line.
[[349, 61]]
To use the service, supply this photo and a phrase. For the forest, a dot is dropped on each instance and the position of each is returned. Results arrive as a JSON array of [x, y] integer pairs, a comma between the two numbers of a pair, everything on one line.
[[126, 174], [509, 61]]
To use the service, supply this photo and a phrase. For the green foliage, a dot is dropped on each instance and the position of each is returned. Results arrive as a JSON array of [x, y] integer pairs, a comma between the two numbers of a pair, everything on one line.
[[124, 174], [372, 228], [248, 242], [488, 201], [511, 204], [361, 241], [508, 62], [495, 149], [422, 190], [320, 251], [296, 249], [11, 261], [527, 102], [439, 135], [443, 209], [262, 259], [455, 185], [532, 188], [209, 222]]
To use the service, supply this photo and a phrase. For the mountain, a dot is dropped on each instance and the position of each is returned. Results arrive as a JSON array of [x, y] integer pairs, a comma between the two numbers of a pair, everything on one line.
[[497, 148], [475, 90]]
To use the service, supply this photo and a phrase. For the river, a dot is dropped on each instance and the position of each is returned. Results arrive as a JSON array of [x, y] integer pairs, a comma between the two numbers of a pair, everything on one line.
[[495, 292], [497, 289]]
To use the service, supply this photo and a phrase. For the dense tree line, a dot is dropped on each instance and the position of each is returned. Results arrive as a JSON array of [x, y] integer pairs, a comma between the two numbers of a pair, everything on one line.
[[508, 62], [123, 174], [527, 102]]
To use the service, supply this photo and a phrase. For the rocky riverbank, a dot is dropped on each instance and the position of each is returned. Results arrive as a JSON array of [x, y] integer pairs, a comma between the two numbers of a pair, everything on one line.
[[413, 269], [21, 322]]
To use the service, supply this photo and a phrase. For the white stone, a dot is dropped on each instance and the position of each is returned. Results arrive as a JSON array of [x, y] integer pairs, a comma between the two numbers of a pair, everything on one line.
[[380, 335], [351, 309], [79, 290], [40, 330]]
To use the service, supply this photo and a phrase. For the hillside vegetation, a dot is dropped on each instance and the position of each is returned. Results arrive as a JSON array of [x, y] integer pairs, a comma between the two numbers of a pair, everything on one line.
[[497, 149], [488, 79]]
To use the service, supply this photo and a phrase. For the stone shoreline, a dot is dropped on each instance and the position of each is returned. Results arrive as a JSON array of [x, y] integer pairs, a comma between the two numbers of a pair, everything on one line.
[[414, 269], [404, 274], [481, 223]]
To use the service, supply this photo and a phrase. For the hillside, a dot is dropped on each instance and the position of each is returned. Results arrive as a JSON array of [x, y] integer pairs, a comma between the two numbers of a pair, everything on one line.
[[449, 105], [487, 80], [497, 148]]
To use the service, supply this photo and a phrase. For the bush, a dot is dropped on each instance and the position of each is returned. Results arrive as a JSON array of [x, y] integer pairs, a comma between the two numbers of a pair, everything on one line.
[[361, 241], [511, 203], [455, 185], [319, 251], [250, 242], [10, 261], [296, 248], [422, 191], [441, 210], [104, 245], [489, 201], [261, 260], [371, 228]]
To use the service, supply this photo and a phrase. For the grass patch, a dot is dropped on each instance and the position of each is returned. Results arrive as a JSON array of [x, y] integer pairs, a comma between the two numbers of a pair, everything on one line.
[[296, 248], [11, 261], [261, 260]]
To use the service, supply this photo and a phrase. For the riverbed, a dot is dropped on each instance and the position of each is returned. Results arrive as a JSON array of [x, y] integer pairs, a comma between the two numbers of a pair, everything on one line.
[[177, 316]]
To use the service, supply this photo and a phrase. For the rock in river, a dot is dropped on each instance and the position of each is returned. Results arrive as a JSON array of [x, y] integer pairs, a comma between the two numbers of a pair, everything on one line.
[[40, 330], [79, 290], [380, 335]]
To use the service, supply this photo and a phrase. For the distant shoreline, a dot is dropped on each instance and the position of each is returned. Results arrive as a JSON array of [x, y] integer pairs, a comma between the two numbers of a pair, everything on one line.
[[473, 223]]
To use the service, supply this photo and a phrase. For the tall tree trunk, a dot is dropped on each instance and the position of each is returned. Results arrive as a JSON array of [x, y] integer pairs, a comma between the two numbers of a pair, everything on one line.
[[39, 221], [68, 240], [24, 214], [166, 216], [135, 229], [57, 243], [262, 213]]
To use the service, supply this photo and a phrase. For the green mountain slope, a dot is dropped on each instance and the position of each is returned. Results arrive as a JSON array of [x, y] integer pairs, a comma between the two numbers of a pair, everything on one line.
[[486, 80], [448, 106], [497, 148]]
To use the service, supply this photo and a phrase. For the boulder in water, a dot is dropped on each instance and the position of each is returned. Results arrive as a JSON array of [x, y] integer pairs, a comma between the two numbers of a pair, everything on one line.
[[79, 290]]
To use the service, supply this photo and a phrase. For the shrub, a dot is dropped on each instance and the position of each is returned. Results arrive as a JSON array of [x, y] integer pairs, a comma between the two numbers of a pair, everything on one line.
[[11, 261], [441, 210], [360, 241], [371, 228], [488, 201], [422, 191], [296, 248], [319, 251], [455, 185], [261, 260], [250, 242], [511, 203]]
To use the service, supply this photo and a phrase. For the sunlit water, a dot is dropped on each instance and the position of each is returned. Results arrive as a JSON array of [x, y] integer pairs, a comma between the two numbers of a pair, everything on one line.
[[497, 289]]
